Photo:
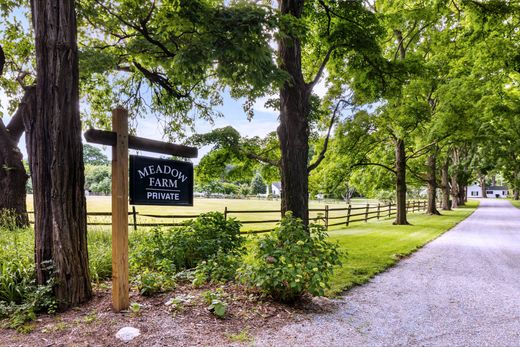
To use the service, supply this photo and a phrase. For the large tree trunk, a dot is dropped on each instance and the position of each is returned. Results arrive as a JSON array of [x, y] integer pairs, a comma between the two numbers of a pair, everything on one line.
[[13, 178], [454, 193], [461, 193], [400, 183], [445, 182], [482, 180], [432, 185], [515, 194], [55, 155], [293, 131]]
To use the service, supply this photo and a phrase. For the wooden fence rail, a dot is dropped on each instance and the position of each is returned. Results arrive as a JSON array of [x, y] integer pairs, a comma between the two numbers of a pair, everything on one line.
[[328, 216]]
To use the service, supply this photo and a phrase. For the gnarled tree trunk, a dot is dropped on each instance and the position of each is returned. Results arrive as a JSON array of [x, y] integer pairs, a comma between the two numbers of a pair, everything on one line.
[[55, 155], [432, 185], [13, 178], [400, 183], [293, 131]]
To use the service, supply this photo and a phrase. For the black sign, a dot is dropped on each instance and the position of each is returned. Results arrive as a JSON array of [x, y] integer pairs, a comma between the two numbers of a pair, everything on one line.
[[160, 181]]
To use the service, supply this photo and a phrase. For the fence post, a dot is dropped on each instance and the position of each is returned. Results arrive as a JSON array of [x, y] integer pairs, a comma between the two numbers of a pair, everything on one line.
[[378, 210], [366, 212], [348, 214], [134, 214], [389, 209], [225, 213], [326, 217]]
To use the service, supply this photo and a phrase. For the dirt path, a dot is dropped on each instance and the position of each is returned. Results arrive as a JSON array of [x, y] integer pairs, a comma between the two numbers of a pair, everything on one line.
[[462, 289]]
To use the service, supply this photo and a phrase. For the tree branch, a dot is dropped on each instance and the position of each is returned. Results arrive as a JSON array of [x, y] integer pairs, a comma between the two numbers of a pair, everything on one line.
[[262, 159], [322, 67], [2, 60], [321, 156], [374, 164], [156, 78], [15, 128]]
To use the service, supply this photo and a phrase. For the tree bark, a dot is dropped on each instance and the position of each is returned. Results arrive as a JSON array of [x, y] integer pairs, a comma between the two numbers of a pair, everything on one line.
[[293, 131], [515, 194], [461, 196], [55, 155], [454, 193], [13, 178], [482, 180], [400, 183], [432, 185], [445, 182]]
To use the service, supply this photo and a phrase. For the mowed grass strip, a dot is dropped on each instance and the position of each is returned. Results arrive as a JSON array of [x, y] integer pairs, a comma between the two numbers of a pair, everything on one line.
[[373, 247], [515, 203]]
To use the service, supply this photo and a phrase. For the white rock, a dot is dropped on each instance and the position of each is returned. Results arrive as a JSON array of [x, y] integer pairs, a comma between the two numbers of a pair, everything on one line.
[[127, 334]]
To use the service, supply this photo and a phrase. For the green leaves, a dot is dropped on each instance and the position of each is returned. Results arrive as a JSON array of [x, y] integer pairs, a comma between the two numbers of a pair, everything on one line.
[[291, 261]]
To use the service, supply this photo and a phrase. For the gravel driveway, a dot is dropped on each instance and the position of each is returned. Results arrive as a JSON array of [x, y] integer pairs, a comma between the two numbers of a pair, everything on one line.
[[463, 289]]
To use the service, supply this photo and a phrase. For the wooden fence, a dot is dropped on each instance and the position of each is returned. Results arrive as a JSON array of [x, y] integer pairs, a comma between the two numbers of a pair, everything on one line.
[[328, 216]]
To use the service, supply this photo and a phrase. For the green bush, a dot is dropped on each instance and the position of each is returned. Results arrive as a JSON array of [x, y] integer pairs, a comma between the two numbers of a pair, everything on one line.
[[152, 282], [20, 297], [221, 267], [180, 248], [291, 261]]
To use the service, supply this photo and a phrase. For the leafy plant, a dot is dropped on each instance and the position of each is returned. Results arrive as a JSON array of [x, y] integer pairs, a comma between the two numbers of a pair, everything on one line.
[[221, 267], [20, 296], [216, 303], [291, 261], [135, 309], [171, 250], [151, 282]]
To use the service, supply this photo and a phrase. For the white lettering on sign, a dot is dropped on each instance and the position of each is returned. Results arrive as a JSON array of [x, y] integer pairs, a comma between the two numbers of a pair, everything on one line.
[[161, 169], [162, 196], [162, 182]]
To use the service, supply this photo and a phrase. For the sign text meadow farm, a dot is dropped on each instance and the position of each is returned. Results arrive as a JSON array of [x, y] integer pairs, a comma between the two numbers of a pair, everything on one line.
[[156, 181]]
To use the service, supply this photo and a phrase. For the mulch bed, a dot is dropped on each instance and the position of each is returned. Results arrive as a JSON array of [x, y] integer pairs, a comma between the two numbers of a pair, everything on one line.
[[189, 324]]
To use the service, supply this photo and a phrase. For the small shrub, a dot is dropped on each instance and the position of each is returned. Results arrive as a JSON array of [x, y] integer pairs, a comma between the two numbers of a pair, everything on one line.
[[177, 249], [221, 267], [151, 282], [291, 261]]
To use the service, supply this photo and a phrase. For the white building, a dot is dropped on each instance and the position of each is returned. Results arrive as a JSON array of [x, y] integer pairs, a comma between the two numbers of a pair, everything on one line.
[[276, 189], [475, 191]]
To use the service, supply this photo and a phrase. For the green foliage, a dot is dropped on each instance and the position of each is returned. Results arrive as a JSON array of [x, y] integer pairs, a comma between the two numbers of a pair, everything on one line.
[[217, 305], [258, 185], [99, 254], [175, 249], [94, 156], [150, 282], [20, 297], [221, 267], [291, 261], [98, 178]]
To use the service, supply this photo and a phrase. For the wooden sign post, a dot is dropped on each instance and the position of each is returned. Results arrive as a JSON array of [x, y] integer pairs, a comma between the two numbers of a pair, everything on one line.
[[120, 286], [121, 142]]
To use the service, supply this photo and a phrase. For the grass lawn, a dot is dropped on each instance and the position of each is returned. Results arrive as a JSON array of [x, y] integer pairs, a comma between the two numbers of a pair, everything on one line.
[[373, 247], [515, 203], [201, 205]]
